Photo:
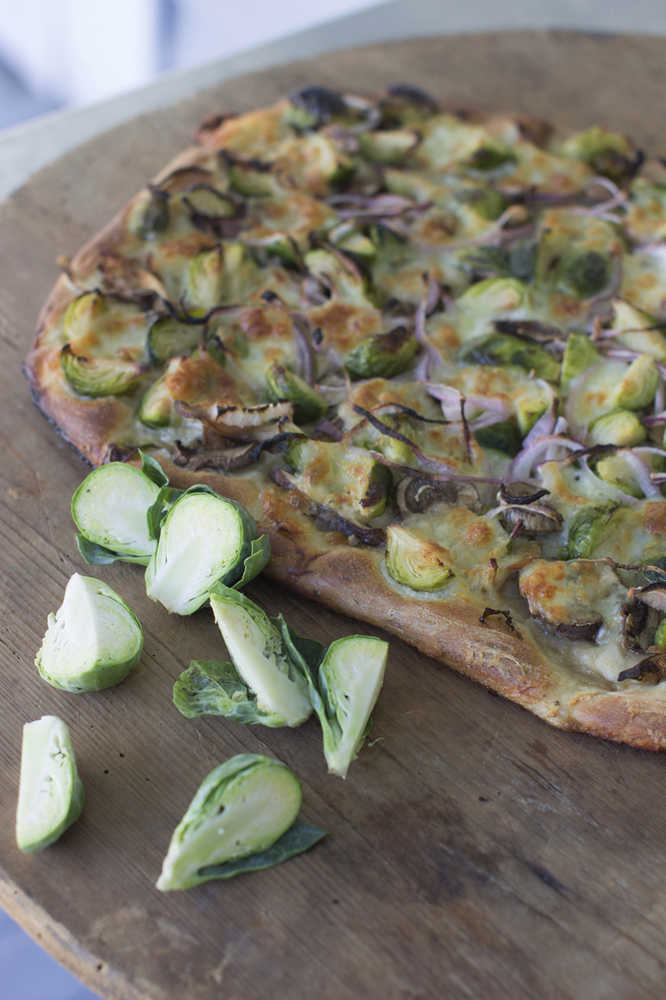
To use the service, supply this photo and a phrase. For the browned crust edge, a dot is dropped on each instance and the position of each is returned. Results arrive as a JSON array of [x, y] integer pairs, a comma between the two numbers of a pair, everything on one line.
[[348, 579]]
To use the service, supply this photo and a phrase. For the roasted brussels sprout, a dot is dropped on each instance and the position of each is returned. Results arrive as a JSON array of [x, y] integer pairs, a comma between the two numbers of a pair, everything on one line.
[[503, 349], [390, 146], [503, 436], [50, 791], [491, 155], [170, 338], [583, 274], [99, 376], [284, 384], [383, 355], [156, 406], [347, 479], [579, 354], [608, 153], [416, 562], [240, 819], [203, 539], [638, 331], [574, 597], [92, 642], [586, 531], [149, 214], [639, 385], [615, 469], [620, 427], [312, 107]]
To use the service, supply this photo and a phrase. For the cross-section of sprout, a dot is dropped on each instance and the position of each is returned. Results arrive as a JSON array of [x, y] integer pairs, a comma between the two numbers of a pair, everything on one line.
[[110, 510], [93, 641], [274, 684], [50, 790], [204, 539], [241, 819]]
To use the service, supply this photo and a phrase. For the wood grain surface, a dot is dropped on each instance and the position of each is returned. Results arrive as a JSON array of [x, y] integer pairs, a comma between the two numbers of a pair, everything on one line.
[[472, 851]]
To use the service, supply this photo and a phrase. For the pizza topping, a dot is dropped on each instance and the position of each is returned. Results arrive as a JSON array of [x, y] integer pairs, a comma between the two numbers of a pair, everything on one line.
[[203, 539], [50, 791], [415, 493], [383, 355], [519, 507], [574, 598], [169, 337], [283, 384], [149, 214], [261, 660], [651, 669], [416, 562], [92, 642], [99, 376]]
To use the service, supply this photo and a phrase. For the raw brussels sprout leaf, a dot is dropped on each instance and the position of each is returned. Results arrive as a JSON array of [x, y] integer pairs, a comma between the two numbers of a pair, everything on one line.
[[254, 562], [299, 838], [97, 555], [239, 814], [210, 687], [152, 468]]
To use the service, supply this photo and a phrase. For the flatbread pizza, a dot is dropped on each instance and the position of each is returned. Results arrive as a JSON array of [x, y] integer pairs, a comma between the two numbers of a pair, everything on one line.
[[426, 349]]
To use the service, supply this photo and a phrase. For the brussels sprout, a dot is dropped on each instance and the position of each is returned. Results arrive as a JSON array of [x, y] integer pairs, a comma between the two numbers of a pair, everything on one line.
[[207, 205], [110, 510], [149, 215], [170, 338], [241, 819], [620, 427], [390, 147], [494, 295], [285, 384], [504, 349], [637, 330], [342, 277], [344, 687], [637, 388], [209, 687], [660, 634], [583, 274], [314, 163], [586, 531], [579, 354], [99, 376], [252, 179], [261, 660], [574, 598], [50, 791], [415, 562], [615, 469], [489, 204], [204, 287], [490, 156], [347, 479], [383, 355], [92, 642], [156, 406], [204, 539], [312, 107], [405, 104], [607, 153], [503, 436]]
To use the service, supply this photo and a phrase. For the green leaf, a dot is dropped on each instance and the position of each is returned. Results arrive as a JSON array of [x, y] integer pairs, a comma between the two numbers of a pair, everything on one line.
[[97, 555], [153, 470], [211, 687], [158, 510], [299, 838], [259, 556]]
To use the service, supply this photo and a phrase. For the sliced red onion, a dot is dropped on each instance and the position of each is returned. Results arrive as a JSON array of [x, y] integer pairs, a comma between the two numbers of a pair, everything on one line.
[[304, 347], [659, 397], [432, 357], [529, 457], [449, 398], [545, 425], [377, 206], [642, 472], [646, 449]]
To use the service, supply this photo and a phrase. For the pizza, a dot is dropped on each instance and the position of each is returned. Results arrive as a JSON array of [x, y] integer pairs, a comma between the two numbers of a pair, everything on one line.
[[426, 348]]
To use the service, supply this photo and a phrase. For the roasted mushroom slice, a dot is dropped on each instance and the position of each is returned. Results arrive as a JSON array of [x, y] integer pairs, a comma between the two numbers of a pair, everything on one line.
[[415, 494], [574, 598], [520, 504]]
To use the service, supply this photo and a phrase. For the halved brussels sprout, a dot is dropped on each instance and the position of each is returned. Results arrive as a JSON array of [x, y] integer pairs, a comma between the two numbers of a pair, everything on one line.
[[261, 660], [491, 155], [390, 146], [285, 384], [504, 349], [312, 107], [204, 288], [170, 338], [344, 687], [620, 427], [416, 562], [110, 510], [586, 531], [239, 820], [342, 277], [503, 436], [50, 791], [156, 407], [489, 204], [92, 642], [638, 330], [608, 153], [203, 540], [494, 295], [99, 376], [617, 470], [149, 215], [252, 179], [207, 205], [313, 163], [383, 355], [579, 354], [583, 274], [347, 479], [639, 385], [574, 598]]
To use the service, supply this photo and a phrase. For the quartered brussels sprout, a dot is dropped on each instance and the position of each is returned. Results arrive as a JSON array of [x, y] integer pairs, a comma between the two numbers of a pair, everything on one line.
[[348, 479], [169, 337], [586, 531], [615, 469], [284, 384], [203, 540], [50, 791], [274, 685], [382, 356], [638, 331], [416, 562], [620, 427], [92, 642], [390, 146], [574, 598], [579, 354], [110, 510], [241, 819], [92, 376], [504, 349], [344, 687], [639, 385], [494, 295], [156, 408]]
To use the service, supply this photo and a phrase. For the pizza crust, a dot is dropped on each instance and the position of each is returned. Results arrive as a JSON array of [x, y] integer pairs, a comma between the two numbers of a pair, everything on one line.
[[343, 577]]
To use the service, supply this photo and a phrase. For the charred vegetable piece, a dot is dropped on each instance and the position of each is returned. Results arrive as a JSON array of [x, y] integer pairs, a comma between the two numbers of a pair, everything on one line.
[[490, 156], [503, 349], [207, 205], [405, 104], [99, 376], [382, 356], [170, 338], [312, 107], [344, 687], [261, 660], [149, 214], [608, 153], [92, 642], [50, 791], [416, 562], [203, 539], [639, 385], [620, 427], [579, 354], [285, 384], [583, 274], [572, 597], [241, 819], [586, 531], [110, 510], [344, 478]]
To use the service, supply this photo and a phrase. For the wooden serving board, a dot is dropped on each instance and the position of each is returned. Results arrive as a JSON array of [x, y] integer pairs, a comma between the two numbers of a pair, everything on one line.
[[472, 850]]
